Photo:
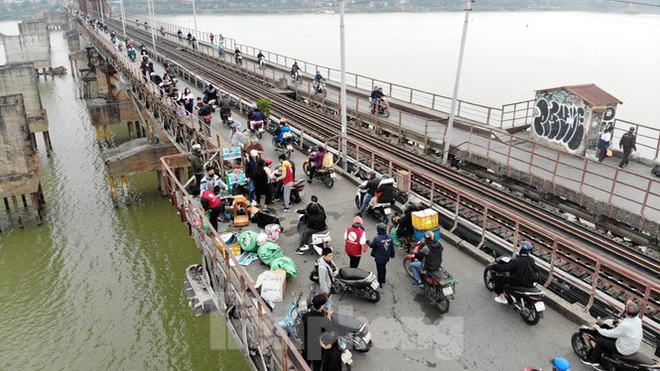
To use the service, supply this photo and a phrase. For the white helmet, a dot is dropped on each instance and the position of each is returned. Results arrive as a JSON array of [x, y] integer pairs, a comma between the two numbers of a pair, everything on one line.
[[196, 147], [261, 239]]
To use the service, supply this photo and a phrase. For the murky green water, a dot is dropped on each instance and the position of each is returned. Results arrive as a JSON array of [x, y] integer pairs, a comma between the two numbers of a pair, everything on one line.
[[97, 287]]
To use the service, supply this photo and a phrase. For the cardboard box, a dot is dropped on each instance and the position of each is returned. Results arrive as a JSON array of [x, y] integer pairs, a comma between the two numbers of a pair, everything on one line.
[[273, 285], [425, 219]]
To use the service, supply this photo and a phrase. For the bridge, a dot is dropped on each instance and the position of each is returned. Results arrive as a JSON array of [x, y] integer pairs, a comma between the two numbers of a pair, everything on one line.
[[588, 279]]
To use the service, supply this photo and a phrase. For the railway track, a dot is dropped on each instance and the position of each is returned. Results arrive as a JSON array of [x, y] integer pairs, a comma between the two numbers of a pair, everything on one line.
[[322, 124]]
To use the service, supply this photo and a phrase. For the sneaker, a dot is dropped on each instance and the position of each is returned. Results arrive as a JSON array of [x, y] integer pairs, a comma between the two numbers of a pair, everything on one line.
[[303, 248], [286, 210], [299, 251], [498, 299], [418, 284], [276, 200]]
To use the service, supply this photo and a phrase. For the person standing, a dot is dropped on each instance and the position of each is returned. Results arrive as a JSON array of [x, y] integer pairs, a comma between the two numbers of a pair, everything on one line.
[[188, 100], [211, 37], [211, 202], [383, 250], [356, 242], [627, 142], [262, 184], [250, 166], [604, 143], [212, 182], [197, 164], [327, 273], [236, 136], [287, 181], [315, 322], [331, 358]]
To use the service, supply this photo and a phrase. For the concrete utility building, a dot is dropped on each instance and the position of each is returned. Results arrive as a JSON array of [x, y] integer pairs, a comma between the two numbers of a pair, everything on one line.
[[569, 118]]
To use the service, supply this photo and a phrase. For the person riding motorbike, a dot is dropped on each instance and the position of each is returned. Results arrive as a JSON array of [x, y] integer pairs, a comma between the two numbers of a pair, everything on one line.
[[521, 272], [255, 116], [429, 257], [385, 190], [279, 132], [225, 106], [318, 79], [625, 339], [237, 54], [405, 228], [316, 161], [294, 69], [315, 215], [260, 56], [376, 97], [210, 94], [370, 186]]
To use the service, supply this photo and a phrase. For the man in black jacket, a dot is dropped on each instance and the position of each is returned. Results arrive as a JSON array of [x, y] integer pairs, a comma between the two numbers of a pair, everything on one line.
[[315, 222], [385, 190], [370, 186], [627, 142], [429, 257], [315, 322], [521, 272]]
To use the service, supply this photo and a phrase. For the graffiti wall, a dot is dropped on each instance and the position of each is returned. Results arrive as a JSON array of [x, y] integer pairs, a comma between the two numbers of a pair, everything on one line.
[[561, 119]]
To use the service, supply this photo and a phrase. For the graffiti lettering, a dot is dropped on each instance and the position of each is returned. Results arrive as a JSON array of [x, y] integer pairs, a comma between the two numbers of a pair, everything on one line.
[[559, 122]]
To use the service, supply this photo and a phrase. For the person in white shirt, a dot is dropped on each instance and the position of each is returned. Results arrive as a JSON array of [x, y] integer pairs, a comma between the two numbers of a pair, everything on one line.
[[625, 339], [604, 143], [211, 182]]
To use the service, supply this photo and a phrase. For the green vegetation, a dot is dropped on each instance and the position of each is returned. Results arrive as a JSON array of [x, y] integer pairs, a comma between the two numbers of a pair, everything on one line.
[[264, 106]]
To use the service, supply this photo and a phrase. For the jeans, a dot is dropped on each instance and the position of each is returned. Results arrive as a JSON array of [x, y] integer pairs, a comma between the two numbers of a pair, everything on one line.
[[251, 190], [416, 268], [287, 195], [365, 202]]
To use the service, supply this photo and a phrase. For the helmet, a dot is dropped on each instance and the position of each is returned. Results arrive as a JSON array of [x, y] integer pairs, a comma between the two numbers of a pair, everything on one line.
[[261, 239], [429, 235], [526, 246], [254, 106], [196, 147], [381, 227], [380, 88], [268, 162], [560, 364], [632, 309]]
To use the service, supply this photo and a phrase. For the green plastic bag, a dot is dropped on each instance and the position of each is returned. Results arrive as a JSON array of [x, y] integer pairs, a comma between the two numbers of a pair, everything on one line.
[[395, 239], [269, 252], [285, 263], [248, 241]]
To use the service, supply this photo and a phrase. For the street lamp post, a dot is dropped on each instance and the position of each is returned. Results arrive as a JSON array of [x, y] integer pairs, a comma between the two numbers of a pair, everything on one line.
[[123, 16], [342, 53], [151, 13], [454, 99], [101, 9], [195, 21]]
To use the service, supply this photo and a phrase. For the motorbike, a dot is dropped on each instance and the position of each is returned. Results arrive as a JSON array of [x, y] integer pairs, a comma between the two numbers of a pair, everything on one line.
[[297, 191], [319, 88], [238, 58], [262, 63], [285, 148], [318, 240], [349, 330], [257, 128], [584, 341], [526, 301], [326, 175], [131, 54], [380, 211], [439, 286], [383, 107], [226, 117], [295, 76], [120, 47], [363, 284]]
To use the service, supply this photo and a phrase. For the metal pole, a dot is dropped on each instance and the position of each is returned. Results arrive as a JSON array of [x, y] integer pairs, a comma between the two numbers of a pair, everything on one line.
[[101, 9], [195, 21], [454, 99], [342, 52], [151, 13], [123, 16]]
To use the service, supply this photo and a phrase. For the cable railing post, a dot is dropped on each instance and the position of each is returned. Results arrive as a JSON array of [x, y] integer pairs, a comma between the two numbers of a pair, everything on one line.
[[553, 260], [554, 174], [400, 124], [594, 286], [531, 161]]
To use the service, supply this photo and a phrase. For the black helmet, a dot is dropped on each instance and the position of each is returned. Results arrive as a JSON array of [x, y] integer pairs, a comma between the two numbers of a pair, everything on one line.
[[381, 228], [632, 309], [429, 235]]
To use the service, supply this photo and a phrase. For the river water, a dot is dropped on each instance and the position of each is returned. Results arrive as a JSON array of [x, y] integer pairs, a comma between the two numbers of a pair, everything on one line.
[[99, 287]]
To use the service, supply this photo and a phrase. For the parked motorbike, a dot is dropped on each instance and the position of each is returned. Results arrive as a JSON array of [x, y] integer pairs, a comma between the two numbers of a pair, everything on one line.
[[326, 175], [584, 341], [297, 191], [319, 88], [319, 239], [285, 148], [349, 330], [363, 284], [439, 286], [380, 211], [526, 301], [383, 107]]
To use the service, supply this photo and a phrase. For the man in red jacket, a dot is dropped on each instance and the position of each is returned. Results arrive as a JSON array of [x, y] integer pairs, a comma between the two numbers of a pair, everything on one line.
[[210, 201], [356, 242]]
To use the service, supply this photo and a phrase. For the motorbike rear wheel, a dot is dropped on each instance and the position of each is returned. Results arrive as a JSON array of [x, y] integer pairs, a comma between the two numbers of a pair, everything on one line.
[[306, 168], [443, 305], [488, 279], [406, 267], [368, 294], [580, 346], [259, 134], [532, 316], [386, 113], [360, 345], [328, 181]]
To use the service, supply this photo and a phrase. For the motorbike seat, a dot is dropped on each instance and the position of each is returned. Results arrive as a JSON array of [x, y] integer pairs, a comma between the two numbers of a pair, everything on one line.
[[526, 290], [353, 273], [345, 323], [637, 358]]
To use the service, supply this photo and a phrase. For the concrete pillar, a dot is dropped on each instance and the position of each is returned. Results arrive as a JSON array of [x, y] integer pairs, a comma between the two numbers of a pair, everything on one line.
[[6, 204], [161, 183], [125, 188], [17, 210], [130, 130], [113, 191], [106, 131], [37, 207], [49, 145], [98, 134], [25, 205]]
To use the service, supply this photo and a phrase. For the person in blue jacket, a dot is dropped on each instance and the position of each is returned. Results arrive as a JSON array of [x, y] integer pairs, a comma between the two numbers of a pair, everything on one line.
[[382, 250]]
